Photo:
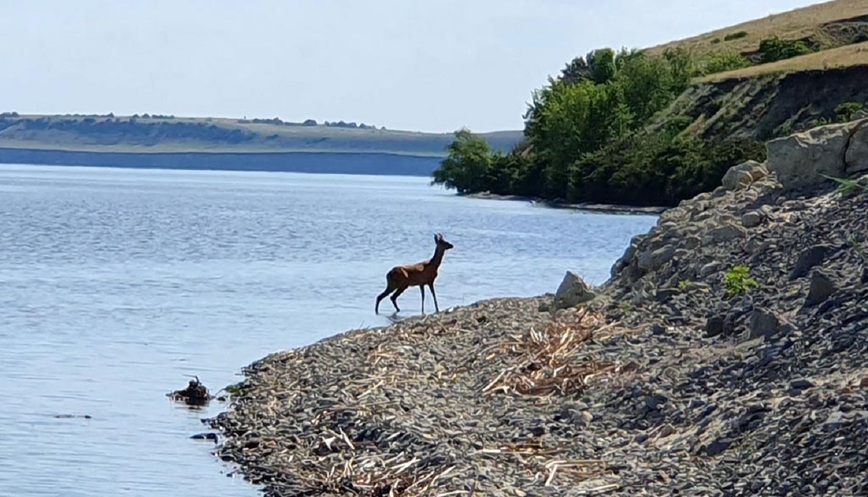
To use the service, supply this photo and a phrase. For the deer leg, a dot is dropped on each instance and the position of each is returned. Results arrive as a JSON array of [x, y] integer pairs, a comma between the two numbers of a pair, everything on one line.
[[422, 288], [436, 306], [395, 297], [380, 297]]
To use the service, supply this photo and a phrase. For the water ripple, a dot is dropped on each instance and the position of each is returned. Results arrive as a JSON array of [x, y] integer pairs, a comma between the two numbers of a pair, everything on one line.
[[116, 285]]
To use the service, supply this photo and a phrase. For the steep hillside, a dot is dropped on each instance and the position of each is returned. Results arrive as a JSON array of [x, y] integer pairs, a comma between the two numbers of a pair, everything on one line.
[[657, 126], [769, 106]]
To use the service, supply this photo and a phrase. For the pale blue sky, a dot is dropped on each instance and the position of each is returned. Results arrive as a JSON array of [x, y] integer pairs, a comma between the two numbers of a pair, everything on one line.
[[403, 64]]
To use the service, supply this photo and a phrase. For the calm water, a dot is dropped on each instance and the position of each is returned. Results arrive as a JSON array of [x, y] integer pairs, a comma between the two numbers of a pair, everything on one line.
[[116, 285]]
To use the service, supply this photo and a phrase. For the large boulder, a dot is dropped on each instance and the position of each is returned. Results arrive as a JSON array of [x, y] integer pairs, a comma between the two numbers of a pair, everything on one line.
[[572, 292], [742, 175], [800, 160], [856, 158]]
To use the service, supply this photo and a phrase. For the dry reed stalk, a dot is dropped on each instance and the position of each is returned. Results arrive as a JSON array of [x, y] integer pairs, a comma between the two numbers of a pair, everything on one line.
[[550, 360]]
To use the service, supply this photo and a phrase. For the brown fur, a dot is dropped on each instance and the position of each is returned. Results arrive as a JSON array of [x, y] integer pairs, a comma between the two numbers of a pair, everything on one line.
[[399, 278]]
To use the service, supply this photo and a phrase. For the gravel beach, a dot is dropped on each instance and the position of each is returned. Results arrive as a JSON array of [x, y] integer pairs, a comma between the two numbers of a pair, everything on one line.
[[725, 356]]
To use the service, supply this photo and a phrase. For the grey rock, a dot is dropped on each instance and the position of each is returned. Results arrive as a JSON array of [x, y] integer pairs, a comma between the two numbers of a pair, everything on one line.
[[725, 233], [856, 158], [800, 160], [730, 324], [682, 254], [822, 287], [801, 384], [652, 260], [655, 402], [756, 246], [572, 291], [743, 175], [664, 294], [763, 324], [714, 326], [751, 219], [710, 268], [718, 447], [810, 257]]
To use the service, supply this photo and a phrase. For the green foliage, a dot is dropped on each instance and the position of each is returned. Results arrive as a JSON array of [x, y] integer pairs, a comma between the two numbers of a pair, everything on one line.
[[847, 187], [735, 36], [726, 61], [233, 389], [739, 282], [774, 49], [658, 168], [467, 165], [684, 285], [586, 138], [581, 112], [846, 110]]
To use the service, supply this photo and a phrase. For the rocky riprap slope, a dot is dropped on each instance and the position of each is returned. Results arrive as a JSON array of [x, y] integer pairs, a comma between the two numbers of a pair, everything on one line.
[[662, 382]]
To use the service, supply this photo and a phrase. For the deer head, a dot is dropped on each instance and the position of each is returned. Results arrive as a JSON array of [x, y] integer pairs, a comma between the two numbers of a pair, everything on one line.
[[442, 243]]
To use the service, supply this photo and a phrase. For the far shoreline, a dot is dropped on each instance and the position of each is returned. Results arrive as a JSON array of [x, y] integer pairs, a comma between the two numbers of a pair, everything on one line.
[[587, 207]]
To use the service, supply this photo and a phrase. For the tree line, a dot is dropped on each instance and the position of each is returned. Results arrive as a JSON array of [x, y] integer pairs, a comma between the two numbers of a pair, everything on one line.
[[587, 137]]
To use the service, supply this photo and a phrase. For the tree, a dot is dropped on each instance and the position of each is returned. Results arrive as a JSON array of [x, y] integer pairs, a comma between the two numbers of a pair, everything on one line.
[[466, 166]]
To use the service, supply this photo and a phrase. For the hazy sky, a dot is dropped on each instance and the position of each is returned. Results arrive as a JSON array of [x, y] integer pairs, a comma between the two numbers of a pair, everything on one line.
[[404, 64]]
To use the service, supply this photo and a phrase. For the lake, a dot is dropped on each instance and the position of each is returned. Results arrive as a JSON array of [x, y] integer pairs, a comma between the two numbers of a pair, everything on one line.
[[118, 285]]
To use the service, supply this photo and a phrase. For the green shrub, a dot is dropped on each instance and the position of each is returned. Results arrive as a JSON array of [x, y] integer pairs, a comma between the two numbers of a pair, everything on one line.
[[466, 167], [739, 282], [845, 111], [715, 41], [727, 61], [774, 49], [735, 36]]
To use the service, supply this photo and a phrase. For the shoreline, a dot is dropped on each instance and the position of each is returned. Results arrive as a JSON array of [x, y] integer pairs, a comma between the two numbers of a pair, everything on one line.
[[725, 356], [302, 162], [586, 207]]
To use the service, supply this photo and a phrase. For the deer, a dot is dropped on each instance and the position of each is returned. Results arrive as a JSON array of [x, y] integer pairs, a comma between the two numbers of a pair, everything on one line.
[[399, 278]]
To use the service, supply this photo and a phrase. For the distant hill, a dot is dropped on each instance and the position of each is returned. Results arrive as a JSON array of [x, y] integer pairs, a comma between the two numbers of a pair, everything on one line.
[[109, 133], [184, 142]]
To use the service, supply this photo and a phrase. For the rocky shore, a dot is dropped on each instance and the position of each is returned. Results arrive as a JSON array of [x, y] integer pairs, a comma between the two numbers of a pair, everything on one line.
[[725, 356]]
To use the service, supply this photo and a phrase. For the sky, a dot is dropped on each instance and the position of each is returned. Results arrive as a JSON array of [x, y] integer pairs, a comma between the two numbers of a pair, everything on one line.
[[404, 64]]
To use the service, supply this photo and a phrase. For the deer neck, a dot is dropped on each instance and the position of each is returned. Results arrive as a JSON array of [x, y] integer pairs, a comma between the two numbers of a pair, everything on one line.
[[438, 257]]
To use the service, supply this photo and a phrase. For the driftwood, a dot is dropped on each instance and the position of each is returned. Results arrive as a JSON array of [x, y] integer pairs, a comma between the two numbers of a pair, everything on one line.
[[196, 394], [453, 404]]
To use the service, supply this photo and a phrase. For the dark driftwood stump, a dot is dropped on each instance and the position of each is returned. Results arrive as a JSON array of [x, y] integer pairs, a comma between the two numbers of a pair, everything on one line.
[[196, 394]]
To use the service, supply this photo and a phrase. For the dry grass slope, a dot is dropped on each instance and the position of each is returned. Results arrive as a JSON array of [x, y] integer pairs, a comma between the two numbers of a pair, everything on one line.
[[849, 56], [794, 24]]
